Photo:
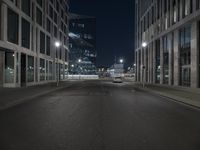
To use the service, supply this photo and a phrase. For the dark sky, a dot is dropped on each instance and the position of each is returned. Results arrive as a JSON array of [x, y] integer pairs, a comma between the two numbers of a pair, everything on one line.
[[115, 27]]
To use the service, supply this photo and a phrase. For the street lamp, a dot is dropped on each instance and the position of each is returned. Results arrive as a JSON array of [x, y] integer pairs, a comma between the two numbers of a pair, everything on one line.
[[79, 60], [121, 61], [144, 45], [57, 45]]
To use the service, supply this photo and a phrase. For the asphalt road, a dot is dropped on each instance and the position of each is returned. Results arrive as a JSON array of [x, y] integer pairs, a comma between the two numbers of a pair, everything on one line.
[[100, 116]]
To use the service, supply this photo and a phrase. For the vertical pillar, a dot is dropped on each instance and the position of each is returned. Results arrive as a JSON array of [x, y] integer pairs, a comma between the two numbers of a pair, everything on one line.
[[169, 38], [154, 62], [3, 22], [194, 54], [161, 62], [137, 66], [176, 58], [145, 64], [151, 63]]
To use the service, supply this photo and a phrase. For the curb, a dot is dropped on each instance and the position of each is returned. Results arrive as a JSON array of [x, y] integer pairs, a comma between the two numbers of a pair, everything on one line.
[[23, 100], [172, 98]]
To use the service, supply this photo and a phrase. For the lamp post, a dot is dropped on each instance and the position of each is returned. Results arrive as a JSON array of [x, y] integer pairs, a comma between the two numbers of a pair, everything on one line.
[[57, 45], [144, 45], [79, 61]]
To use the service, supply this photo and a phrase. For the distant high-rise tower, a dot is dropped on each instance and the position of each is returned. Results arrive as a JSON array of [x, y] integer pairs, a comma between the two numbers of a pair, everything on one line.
[[82, 44]]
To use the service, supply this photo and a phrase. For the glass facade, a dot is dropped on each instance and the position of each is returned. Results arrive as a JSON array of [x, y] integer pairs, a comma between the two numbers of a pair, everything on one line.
[[157, 61], [25, 33], [50, 70], [42, 69], [30, 69], [166, 60], [185, 56], [9, 67], [13, 27]]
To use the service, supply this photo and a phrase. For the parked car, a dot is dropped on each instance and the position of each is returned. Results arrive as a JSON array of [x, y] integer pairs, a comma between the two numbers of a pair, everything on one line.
[[117, 79]]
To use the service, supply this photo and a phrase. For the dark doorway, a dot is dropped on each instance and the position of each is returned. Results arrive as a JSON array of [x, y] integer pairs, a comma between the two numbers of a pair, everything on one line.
[[23, 69]]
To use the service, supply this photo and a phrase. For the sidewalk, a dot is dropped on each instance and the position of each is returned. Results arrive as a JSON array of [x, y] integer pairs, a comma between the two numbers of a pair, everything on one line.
[[189, 96], [12, 96]]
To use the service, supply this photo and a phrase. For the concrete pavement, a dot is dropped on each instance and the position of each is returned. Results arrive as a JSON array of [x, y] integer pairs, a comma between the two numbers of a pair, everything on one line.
[[13, 96], [188, 96], [100, 115]]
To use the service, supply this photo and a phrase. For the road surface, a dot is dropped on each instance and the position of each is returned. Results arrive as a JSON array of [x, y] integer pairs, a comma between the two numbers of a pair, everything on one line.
[[100, 115]]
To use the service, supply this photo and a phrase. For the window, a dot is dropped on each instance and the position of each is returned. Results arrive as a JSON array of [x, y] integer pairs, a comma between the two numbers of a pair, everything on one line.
[[55, 17], [48, 25], [42, 42], [51, 12], [42, 70], [50, 70], [158, 61], [39, 16], [9, 67], [55, 32], [26, 6], [39, 2], [13, 26], [25, 33], [166, 59], [48, 45], [185, 55], [30, 69]]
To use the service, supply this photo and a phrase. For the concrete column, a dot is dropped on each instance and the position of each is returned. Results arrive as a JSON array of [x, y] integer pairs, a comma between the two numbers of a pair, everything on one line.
[[194, 5], [137, 67], [194, 54], [176, 58], [181, 9], [3, 22], [145, 63], [151, 64], [141, 64], [169, 38], [154, 62], [161, 62]]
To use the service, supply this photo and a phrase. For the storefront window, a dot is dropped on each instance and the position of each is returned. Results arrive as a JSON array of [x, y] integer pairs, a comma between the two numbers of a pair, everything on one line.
[[158, 61], [30, 69], [185, 55], [42, 70], [50, 70], [166, 59], [9, 67]]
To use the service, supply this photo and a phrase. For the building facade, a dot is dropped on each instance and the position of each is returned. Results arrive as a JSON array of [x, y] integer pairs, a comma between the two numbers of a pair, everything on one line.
[[167, 42], [82, 43], [28, 31]]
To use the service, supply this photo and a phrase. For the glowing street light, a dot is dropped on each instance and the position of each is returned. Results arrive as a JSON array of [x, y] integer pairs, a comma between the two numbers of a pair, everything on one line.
[[79, 60], [144, 44], [57, 44], [121, 61]]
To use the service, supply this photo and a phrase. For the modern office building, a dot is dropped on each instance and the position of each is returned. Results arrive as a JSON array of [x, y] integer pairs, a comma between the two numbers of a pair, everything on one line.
[[167, 41], [28, 31], [82, 44]]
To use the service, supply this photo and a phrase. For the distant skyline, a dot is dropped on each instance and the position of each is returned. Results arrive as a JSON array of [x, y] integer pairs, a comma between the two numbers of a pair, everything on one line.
[[115, 28]]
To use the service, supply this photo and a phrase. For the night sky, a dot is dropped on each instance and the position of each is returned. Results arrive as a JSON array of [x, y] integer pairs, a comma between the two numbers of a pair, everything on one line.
[[115, 28]]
